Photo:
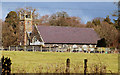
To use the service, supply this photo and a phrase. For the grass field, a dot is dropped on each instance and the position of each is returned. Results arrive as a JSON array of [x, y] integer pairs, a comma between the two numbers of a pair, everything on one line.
[[52, 62]]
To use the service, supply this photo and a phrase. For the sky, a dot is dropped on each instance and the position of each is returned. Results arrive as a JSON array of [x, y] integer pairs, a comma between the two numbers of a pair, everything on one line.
[[85, 10], [59, 0]]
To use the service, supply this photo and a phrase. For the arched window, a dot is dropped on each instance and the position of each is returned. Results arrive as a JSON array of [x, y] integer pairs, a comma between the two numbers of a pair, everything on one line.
[[34, 39]]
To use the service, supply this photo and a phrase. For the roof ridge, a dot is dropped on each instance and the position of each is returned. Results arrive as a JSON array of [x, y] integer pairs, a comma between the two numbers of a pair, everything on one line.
[[64, 27]]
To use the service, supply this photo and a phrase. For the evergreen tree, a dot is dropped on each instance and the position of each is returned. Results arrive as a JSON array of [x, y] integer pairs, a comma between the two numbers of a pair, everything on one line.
[[10, 30]]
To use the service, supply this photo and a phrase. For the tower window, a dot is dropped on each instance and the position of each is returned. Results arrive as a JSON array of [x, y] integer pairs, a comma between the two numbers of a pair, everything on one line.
[[27, 16], [22, 16]]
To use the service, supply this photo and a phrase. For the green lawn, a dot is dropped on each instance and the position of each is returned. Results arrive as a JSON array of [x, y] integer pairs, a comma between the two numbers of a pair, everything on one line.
[[41, 62]]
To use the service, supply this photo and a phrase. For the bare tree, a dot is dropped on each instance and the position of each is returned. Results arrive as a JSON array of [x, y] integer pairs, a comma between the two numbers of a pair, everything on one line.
[[35, 14], [109, 32]]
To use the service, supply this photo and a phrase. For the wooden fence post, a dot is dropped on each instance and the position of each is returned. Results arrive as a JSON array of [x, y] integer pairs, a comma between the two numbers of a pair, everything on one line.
[[49, 48], [24, 48], [68, 65], [41, 48], [94, 50], [33, 48], [101, 50], [2, 48], [85, 66], [9, 48], [16, 48]]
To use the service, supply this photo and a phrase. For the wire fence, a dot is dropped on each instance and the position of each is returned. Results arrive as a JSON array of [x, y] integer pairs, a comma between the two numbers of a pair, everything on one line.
[[62, 49]]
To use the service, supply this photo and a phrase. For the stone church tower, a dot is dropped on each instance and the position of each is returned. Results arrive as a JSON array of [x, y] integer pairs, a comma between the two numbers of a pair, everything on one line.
[[25, 27]]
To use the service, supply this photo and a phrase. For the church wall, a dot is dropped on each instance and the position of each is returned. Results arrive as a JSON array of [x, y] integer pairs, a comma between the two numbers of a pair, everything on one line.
[[67, 46], [35, 33]]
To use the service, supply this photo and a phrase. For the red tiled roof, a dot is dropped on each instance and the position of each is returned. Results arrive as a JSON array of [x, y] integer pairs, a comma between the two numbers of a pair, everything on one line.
[[57, 34]]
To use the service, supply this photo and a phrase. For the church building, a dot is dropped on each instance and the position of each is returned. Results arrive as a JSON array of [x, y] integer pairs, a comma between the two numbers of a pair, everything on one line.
[[54, 35]]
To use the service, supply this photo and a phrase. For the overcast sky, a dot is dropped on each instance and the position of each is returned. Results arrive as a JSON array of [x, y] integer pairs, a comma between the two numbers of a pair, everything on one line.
[[85, 10], [59, 0]]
